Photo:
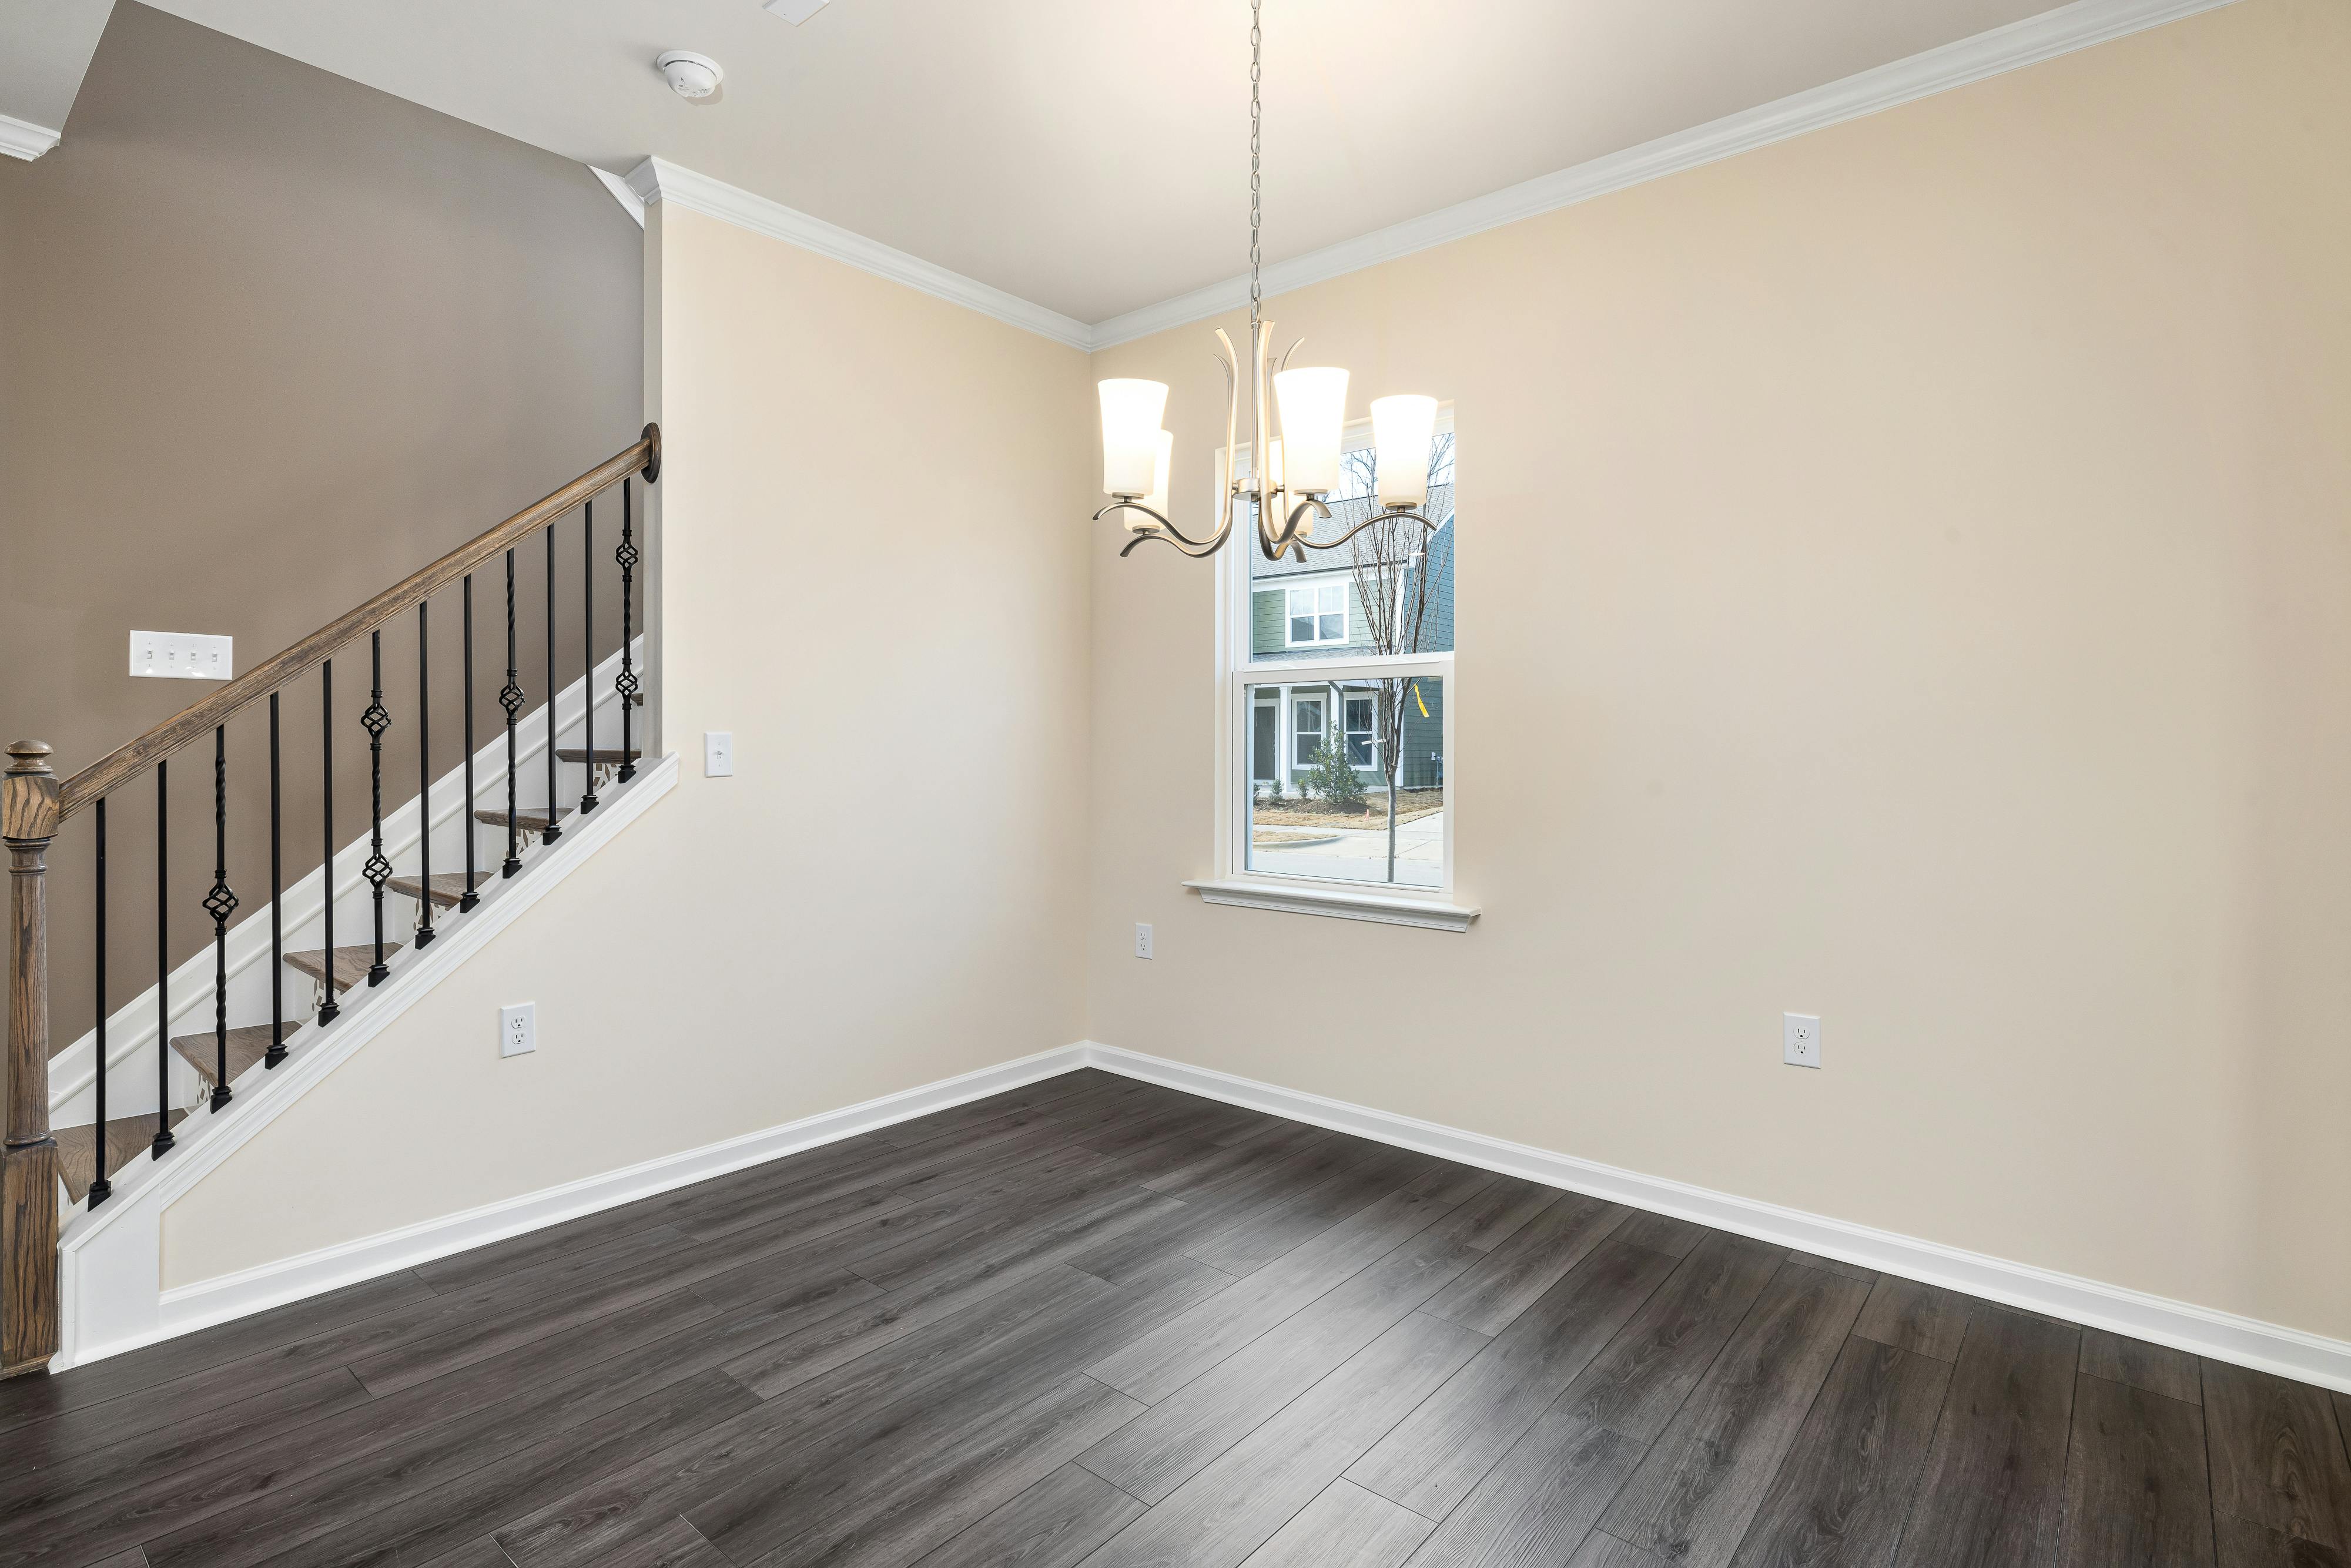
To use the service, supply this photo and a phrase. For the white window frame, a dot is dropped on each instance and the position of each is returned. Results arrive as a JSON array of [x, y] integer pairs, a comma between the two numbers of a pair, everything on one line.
[[1231, 880], [1343, 587], [1372, 747]]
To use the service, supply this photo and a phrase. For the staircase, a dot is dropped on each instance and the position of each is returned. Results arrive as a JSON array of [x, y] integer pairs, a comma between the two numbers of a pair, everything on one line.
[[485, 823]]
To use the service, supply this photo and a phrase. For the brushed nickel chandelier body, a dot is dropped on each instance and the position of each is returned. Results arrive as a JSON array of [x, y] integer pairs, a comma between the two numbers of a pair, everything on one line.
[[1290, 475]]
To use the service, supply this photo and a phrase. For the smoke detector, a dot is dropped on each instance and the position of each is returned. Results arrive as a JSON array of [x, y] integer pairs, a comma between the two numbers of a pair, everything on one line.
[[690, 75]]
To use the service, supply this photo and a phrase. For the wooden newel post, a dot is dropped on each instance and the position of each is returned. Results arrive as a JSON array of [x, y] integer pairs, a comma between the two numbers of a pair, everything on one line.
[[29, 1166]]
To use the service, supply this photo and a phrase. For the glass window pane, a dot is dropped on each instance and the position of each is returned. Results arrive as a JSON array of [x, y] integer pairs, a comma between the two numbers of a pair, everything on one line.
[[1333, 628], [1312, 822], [1301, 628]]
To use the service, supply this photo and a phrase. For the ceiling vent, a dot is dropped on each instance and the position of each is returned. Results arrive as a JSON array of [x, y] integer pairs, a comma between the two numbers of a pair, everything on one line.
[[795, 11]]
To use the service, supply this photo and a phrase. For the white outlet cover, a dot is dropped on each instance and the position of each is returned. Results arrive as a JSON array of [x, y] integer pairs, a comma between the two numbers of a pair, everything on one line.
[[181, 656], [1142, 940], [717, 754], [518, 1029], [1800, 1040]]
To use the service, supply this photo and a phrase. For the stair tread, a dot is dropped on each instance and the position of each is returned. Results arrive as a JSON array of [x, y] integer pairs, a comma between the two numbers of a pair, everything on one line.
[[351, 964], [530, 821], [604, 754], [246, 1047], [127, 1138], [448, 887]]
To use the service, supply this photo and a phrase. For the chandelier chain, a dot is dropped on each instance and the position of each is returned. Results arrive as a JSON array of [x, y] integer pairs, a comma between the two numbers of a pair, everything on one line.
[[1257, 116]]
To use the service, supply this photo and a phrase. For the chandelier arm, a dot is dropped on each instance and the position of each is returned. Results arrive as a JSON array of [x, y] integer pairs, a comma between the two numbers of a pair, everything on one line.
[[1162, 527], [1190, 548], [1398, 514]]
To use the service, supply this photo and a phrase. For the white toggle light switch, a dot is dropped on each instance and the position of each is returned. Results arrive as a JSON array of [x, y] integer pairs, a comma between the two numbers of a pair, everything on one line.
[[717, 754], [183, 656]]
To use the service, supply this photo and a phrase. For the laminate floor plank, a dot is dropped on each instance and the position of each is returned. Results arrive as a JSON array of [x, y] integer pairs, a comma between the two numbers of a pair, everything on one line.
[[1535, 1506], [1641, 1378], [1439, 1453], [1158, 1451], [2277, 1456], [1705, 1475], [1274, 1231], [1994, 1495], [1663, 1233], [1516, 1273], [2242, 1543], [2135, 1482], [1604, 1551], [1345, 1527], [1226, 1512], [1840, 1498], [1053, 1524], [1157, 1366], [2158, 1369], [1268, 1145], [1911, 1316], [1834, 1266]]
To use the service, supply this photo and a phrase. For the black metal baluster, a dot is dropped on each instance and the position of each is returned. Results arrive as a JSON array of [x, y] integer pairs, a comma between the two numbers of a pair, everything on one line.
[[467, 816], [626, 685], [377, 870], [100, 1189], [220, 903], [277, 1052], [510, 698], [553, 831], [587, 645], [424, 932], [164, 1139], [330, 1006]]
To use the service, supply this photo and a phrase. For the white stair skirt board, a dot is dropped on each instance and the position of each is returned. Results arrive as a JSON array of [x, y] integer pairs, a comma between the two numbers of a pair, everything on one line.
[[110, 1259], [130, 1029], [2224, 1336]]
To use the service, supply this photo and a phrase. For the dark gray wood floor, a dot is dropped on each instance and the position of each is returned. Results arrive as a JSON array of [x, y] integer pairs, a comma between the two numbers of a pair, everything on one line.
[[1095, 1322]]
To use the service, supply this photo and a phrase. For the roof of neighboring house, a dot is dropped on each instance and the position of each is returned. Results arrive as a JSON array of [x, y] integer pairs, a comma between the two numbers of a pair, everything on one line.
[[1345, 515]]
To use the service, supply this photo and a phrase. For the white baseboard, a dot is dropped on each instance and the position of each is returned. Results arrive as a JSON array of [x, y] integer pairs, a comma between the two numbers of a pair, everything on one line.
[[187, 1307], [2200, 1331]]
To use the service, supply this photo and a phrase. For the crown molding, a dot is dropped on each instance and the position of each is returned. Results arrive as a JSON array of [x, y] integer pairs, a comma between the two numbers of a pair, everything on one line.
[[658, 180], [631, 202], [2080, 26], [22, 138]]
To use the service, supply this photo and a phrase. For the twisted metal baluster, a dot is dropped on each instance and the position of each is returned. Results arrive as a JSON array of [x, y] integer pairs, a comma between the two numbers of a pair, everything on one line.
[[328, 1007], [100, 1189], [220, 903], [164, 1139], [377, 870], [424, 932], [553, 831], [626, 684], [511, 699], [588, 646]]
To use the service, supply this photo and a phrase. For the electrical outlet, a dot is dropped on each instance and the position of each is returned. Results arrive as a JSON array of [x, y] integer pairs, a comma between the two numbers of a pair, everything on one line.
[[518, 1029], [181, 656], [1800, 1040], [717, 754], [1142, 940]]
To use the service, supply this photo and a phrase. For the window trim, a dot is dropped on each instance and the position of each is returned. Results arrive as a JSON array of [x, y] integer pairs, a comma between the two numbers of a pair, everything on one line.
[[1231, 714], [1343, 587]]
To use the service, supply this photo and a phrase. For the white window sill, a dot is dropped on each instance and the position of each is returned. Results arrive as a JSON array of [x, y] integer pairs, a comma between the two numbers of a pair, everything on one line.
[[1432, 914]]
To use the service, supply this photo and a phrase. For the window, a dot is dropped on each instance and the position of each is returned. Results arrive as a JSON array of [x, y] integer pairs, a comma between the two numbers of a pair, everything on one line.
[[1363, 741], [1318, 613], [1305, 729], [1351, 648]]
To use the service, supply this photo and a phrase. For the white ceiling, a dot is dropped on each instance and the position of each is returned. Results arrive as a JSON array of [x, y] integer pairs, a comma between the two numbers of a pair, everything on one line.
[[1092, 155], [45, 49]]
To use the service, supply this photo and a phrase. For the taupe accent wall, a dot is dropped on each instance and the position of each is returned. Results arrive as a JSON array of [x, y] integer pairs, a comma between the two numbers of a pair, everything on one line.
[[269, 340]]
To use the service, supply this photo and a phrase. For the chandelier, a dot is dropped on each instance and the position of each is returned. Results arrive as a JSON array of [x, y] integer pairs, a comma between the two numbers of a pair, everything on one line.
[[1295, 470]]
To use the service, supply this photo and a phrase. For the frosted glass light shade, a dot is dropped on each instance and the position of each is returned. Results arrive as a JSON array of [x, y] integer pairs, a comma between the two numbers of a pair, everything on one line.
[[1157, 499], [1404, 428], [1313, 401], [1130, 415]]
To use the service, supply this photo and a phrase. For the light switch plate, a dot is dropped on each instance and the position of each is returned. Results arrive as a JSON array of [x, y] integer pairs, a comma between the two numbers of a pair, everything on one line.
[[181, 656], [518, 1029], [1800, 1040], [717, 754]]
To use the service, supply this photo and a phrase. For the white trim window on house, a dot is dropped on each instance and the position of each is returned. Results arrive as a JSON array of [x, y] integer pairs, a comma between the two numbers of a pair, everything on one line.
[[1336, 687]]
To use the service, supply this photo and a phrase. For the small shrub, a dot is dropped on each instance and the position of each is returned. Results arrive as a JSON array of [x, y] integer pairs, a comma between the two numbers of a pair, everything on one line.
[[1335, 780]]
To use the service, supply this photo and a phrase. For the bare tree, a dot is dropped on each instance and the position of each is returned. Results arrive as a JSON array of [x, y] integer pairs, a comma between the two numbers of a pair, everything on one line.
[[1394, 564]]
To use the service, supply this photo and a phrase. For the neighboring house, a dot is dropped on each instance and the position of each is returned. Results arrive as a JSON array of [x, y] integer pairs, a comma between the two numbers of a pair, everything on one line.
[[1314, 610]]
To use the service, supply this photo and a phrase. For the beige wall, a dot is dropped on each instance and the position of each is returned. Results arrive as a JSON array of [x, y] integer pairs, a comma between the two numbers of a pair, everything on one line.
[[1905, 577], [272, 341], [870, 576]]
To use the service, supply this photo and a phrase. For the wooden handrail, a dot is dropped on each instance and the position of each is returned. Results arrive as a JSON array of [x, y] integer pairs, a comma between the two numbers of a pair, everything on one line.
[[198, 719]]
